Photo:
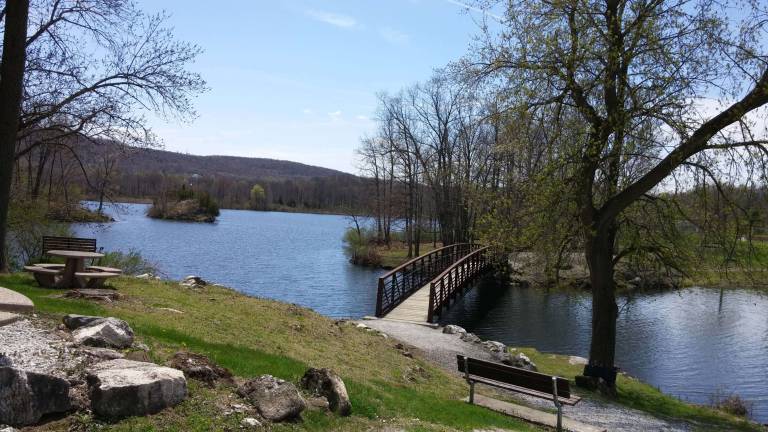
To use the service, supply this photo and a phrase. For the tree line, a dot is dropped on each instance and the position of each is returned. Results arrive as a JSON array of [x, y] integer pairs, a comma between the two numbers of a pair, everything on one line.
[[621, 131]]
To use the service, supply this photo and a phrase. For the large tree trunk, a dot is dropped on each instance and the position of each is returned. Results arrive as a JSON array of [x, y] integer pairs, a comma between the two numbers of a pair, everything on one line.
[[11, 81], [599, 255]]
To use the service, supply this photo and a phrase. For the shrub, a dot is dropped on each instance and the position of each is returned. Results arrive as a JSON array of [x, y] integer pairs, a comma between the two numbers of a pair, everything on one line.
[[360, 247], [207, 204], [28, 222], [731, 403], [131, 262]]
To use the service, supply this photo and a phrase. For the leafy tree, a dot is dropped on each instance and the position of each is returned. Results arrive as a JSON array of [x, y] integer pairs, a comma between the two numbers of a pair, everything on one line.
[[641, 77], [258, 197]]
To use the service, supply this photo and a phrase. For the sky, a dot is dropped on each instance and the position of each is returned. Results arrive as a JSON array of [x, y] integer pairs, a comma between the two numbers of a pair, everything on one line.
[[297, 79]]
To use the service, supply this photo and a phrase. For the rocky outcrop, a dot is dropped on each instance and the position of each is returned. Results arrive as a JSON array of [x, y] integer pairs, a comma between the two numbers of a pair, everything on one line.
[[74, 322], [275, 399], [105, 333], [123, 388], [25, 397], [199, 367], [326, 383]]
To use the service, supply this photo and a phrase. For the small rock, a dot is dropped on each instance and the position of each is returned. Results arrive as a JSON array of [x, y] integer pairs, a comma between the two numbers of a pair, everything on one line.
[[125, 388], [199, 367], [576, 360], [192, 281], [141, 346], [171, 310], [521, 361], [470, 337], [5, 361], [102, 354], [454, 329], [275, 399], [318, 403], [73, 321], [250, 423], [144, 276], [8, 429], [495, 347], [25, 397], [327, 383], [106, 333], [107, 295], [361, 326]]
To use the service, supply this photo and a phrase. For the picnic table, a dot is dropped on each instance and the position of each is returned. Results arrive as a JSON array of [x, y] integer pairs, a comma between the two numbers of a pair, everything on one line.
[[75, 263]]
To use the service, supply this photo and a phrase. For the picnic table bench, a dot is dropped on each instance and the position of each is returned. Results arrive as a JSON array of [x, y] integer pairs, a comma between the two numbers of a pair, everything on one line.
[[518, 380], [74, 273]]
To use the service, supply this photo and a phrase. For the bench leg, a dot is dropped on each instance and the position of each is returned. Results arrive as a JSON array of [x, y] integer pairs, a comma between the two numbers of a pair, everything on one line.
[[559, 417], [472, 392]]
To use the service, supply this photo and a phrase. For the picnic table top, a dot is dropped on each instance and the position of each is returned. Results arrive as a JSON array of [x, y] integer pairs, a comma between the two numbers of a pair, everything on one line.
[[74, 254]]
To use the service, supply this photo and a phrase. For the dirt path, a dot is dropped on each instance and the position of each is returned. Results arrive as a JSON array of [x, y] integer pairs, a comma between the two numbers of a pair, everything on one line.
[[442, 348]]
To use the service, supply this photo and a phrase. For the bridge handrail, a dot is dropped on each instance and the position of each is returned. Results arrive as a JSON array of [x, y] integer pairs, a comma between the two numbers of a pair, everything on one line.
[[478, 262], [400, 282]]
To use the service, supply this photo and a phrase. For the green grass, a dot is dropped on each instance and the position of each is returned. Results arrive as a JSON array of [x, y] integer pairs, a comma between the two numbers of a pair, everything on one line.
[[254, 336]]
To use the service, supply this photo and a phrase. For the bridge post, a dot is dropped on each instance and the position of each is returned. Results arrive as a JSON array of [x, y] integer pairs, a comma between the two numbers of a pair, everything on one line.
[[379, 295]]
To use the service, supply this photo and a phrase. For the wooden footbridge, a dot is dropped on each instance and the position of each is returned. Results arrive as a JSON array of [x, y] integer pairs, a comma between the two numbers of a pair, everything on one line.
[[419, 290]]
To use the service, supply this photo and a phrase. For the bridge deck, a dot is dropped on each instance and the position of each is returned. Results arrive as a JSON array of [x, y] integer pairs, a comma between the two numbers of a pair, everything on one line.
[[412, 309]]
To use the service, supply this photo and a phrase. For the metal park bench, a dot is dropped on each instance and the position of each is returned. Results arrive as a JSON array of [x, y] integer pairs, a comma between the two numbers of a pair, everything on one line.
[[518, 380]]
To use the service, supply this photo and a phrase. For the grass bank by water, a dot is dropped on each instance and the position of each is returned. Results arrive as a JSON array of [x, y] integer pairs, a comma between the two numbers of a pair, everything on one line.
[[254, 336]]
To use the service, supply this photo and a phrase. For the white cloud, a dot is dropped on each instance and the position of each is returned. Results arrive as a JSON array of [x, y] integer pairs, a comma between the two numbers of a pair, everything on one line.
[[307, 111], [334, 19], [394, 36], [335, 115]]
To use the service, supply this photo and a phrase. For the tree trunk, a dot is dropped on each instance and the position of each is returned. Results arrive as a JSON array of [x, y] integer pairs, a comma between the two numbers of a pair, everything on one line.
[[599, 254], [11, 81]]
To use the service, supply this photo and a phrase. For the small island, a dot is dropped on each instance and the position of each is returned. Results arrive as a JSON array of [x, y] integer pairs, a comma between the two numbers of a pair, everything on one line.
[[185, 205]]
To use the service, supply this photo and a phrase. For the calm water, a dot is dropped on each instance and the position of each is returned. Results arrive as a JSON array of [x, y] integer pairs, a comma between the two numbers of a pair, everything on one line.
[[690, 343], [293, 257]]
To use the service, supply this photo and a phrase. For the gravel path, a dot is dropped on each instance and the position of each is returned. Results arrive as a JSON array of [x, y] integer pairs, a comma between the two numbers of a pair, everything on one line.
[[36, 347], [442, 348]]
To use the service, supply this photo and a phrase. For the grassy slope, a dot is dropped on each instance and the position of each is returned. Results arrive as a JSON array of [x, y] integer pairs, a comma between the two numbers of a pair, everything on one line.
[[254, 336], [397, 253]]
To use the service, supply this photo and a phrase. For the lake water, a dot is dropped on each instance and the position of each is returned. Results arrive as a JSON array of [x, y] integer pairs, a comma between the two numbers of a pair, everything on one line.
[[293, 257], [691, 343]]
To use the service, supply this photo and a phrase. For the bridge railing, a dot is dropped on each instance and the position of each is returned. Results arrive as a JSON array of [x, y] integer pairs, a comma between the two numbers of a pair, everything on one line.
[[454, 279], [399, 283]]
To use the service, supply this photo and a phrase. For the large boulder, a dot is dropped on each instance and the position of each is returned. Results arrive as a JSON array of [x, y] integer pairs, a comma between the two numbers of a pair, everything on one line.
[[199, 367], [275, 399], [123, 388], [325, 382], [73, 321], [105, 333], [25, 397], [521, 361], [192, 281]]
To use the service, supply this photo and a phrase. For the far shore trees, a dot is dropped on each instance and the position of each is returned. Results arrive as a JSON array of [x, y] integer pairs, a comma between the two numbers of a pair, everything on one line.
[[659, 90]]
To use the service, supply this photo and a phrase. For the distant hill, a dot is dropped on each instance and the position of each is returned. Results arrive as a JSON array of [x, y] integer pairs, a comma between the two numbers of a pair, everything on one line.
[[152, 161]]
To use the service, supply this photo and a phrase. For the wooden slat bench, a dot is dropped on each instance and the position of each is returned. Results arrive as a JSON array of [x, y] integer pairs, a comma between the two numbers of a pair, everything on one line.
[[68, 243], [530, 383]]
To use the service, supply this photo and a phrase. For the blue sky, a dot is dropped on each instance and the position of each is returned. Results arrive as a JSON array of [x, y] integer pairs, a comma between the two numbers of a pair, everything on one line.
[[297, 79]]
